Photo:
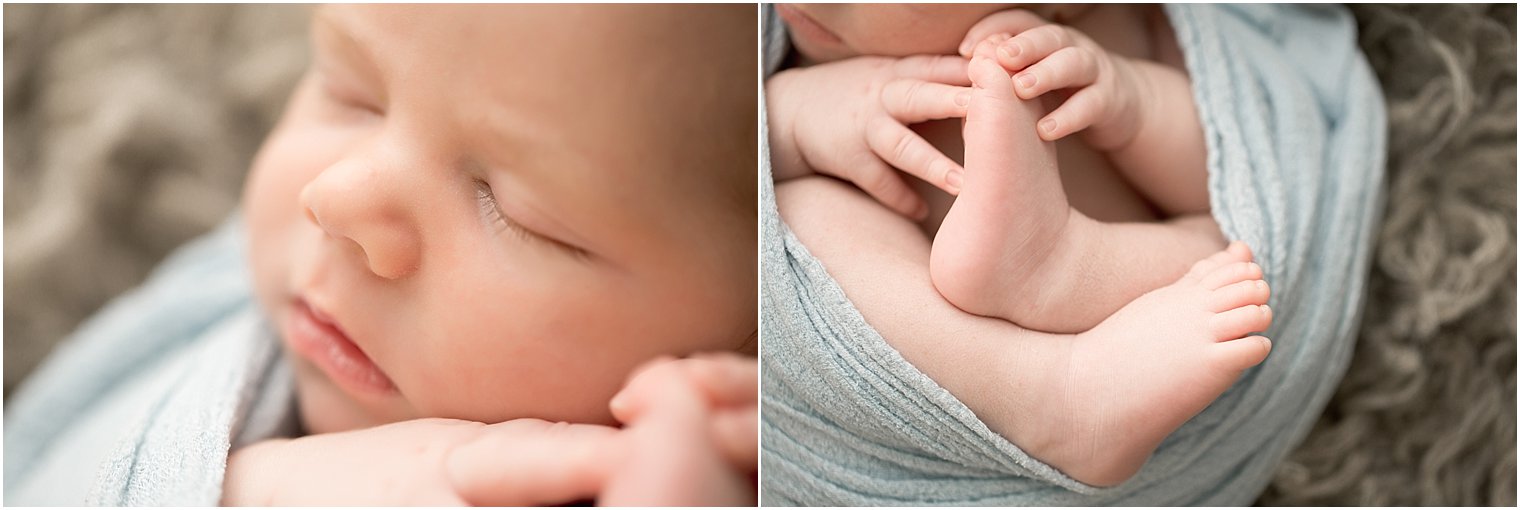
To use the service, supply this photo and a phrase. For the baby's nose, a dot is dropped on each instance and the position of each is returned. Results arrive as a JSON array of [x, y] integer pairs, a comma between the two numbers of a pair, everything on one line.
[[360, 204]]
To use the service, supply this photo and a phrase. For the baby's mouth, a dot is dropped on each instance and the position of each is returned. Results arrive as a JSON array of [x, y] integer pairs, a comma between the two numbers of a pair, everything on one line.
[[316, 336]]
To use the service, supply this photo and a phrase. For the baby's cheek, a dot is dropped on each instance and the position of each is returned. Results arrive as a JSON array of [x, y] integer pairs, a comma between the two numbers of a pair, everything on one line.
[[510, 353]]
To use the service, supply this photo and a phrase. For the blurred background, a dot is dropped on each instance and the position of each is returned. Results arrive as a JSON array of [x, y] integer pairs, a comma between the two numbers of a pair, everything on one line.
[[129, 129]]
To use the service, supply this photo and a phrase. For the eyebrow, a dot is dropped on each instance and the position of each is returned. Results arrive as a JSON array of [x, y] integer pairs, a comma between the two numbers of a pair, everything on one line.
[[341, 40]]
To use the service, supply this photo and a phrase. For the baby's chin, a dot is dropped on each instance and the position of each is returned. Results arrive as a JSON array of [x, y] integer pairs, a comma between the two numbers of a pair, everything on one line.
[[325, 408]]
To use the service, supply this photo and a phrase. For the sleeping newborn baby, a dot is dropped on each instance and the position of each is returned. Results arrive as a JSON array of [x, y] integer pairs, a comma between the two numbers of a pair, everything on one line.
[[1106, 234], [470, 228]]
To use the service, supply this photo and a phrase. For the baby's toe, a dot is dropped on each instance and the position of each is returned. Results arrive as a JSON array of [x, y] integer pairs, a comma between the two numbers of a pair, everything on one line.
[[1240, 251], [1229, 273], [1242, 353], [1238, 294], [998, 38], [990, 79], [1235, 252], [1236, 323]]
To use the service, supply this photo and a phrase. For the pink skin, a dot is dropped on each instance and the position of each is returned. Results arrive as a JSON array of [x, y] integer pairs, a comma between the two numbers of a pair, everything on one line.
[[484, 229], [499, 237], [1013, 247], [1146, 369], [1013, 223]]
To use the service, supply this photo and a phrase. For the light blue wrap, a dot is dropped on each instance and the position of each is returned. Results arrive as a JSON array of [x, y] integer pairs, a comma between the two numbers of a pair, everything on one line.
[[141, 405], [1295, 130]]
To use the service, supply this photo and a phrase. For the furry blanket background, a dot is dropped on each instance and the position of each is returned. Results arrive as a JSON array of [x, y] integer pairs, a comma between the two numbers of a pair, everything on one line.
[[129, 129]]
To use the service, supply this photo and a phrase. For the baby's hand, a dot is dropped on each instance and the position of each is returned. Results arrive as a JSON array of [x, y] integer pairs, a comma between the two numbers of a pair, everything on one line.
[[691, 435], [433, 462], [849, 119], [1046, 57]]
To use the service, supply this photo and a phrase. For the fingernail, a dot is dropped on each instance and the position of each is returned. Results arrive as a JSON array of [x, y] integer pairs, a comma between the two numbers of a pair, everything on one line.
[[1009, 51], [1048, 126], [963, 98], [953, 178], [1026, 80]]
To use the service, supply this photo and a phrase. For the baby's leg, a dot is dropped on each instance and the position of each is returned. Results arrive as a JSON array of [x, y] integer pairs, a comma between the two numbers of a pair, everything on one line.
[[1012, 246], [1094, 405]]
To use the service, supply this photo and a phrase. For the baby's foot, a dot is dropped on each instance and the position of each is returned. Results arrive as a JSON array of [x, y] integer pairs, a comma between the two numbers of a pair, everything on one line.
[[1144, 371], [991, 254]]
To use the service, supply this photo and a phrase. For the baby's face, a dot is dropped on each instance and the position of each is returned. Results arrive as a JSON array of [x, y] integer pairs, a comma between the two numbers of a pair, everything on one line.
[[497, 212], [828, 32]]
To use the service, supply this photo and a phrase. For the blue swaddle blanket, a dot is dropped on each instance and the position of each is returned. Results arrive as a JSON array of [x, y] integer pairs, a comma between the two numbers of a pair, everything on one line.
[[141, 405], [1295, 132]]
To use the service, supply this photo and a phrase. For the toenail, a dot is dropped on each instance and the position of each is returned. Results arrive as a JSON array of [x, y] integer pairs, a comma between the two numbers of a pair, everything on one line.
[[1026, 80], [963, 99], [1261, 285]]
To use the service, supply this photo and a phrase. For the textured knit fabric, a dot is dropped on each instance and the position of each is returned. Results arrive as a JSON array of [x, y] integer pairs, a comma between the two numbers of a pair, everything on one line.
[[142, 405], [1295, 131]]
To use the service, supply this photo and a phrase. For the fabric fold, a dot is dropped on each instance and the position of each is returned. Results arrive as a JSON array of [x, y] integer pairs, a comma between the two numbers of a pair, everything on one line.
[[1295, 129], [142, 404]]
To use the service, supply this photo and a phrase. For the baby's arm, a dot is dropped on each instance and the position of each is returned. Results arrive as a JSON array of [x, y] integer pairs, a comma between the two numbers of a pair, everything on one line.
[[1141, 113]]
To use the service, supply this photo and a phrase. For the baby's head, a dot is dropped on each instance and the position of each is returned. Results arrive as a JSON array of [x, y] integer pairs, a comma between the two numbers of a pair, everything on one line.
[[507, 208], [828, 32]]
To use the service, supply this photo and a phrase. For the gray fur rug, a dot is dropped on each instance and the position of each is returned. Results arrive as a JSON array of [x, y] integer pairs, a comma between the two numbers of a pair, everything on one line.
[[128, 129], [1426, 413]]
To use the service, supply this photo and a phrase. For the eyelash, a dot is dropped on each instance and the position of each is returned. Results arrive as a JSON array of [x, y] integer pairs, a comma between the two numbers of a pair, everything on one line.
[[487, 199]]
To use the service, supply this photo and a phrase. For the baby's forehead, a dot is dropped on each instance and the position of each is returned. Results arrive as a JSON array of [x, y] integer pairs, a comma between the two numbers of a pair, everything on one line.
[[656, 93], [657, 100]]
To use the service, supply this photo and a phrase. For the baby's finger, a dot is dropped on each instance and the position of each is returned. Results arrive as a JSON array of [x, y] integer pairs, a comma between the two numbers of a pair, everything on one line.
[[936, 68], [911, 101], [1066, 68], [737, 434], [1079, 112], [904, 149], [670, 458], [727, 379], [1033, 45], [882, 182], [631, 401], [1012, 21], [531, 462]]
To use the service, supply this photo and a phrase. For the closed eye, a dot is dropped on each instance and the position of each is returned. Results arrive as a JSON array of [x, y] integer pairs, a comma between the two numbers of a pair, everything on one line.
[[504, 223], [338, 96]]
